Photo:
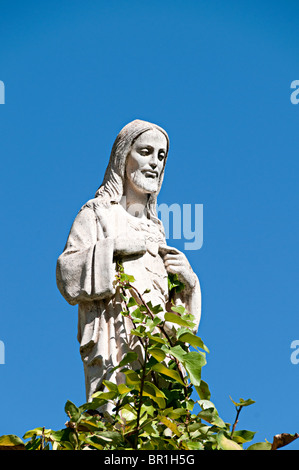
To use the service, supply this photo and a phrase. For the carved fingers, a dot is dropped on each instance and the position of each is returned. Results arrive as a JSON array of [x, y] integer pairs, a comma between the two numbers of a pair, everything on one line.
[[176, 262]]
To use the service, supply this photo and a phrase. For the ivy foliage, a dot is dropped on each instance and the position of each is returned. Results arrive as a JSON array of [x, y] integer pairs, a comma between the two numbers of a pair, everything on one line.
[[146, 415]]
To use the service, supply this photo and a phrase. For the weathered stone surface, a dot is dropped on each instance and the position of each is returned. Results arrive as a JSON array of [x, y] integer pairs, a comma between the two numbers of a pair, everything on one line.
[[121, 221]]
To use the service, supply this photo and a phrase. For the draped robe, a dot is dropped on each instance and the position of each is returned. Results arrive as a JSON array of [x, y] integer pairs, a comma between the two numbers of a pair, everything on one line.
[[86, 276]]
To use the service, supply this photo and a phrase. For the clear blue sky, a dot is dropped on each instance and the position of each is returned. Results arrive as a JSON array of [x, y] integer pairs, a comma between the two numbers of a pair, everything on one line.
[[216, 75]]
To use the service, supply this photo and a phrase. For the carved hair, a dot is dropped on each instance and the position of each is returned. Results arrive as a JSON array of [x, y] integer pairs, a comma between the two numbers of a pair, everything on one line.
[[111, 189]]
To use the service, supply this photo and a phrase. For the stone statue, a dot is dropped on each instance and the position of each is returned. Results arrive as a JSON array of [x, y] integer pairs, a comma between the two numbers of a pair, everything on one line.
[[121, 223]]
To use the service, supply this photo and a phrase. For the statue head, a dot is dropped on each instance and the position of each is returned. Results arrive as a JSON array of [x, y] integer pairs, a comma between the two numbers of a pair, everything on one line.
[[112, 187]]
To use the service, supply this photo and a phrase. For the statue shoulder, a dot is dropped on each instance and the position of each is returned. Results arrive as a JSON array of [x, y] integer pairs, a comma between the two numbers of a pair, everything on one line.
[[95, 205], [97, 209]]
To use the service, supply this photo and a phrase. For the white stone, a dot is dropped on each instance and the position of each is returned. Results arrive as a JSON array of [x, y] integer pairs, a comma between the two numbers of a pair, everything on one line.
[[121, 221]]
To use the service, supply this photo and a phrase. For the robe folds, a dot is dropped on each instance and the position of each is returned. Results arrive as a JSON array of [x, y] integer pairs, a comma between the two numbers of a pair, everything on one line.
[[86, 273]]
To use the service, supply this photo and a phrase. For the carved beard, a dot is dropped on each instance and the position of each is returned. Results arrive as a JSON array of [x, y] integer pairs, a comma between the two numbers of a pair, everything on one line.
[[143, 183]]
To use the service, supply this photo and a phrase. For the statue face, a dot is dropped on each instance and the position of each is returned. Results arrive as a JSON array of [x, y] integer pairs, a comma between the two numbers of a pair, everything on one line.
[[145, 161]]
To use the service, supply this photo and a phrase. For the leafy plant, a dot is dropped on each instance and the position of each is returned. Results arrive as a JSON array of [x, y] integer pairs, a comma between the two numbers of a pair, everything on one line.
[[153, 409]]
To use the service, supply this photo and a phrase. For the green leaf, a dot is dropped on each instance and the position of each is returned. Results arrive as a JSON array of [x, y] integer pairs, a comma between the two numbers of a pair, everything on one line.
[[139, 331], [132, 378], [210, 414], [160, 402], [92, 441], [154, 308], [72, 411], [193, 340], [260, 446], [193, 362], [242, 402], [128, 413], [10, 440], [179, 309], [73, 438], [122, 389], [131, 356], [131, 302], [137, 315], [151, 324], [174, 283], [177, 413], [193, 445], [89, 424], [243, 436], [148, 409], [170, 425], [156, 338], [225, 443], [84, 407], [106, 396], [112, 437], [173, 374], [156, 321], [34, 444], [190, 404], [112, 387], [206, 404], [212, 417], [178, 352], [33, 432], [126, 278], [151, 390], [203, 390], [173, 318], [157, 353], [67, 445]]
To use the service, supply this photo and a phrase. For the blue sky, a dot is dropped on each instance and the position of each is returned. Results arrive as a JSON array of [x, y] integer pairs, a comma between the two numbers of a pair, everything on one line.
[[216, 75]]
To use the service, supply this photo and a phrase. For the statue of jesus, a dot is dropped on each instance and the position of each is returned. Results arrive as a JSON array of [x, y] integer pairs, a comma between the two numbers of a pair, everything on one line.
[[121, 223]]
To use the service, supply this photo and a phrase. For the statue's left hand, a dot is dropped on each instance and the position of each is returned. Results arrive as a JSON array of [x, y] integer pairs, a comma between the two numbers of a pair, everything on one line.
[[176, 262]]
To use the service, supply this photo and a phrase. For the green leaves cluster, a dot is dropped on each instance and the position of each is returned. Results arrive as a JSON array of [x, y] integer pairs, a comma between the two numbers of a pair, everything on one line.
[[154, 409]]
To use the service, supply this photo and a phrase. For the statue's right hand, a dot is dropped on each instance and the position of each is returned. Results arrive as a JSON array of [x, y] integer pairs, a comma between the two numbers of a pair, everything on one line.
[[128, 246]]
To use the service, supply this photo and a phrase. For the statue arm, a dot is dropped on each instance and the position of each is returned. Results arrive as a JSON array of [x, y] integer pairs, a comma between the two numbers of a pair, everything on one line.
[[85, 269]]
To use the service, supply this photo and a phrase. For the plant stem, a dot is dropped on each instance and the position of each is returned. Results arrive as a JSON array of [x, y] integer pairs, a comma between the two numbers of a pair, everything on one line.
[[140, 394], [43, 440], [238, 408]]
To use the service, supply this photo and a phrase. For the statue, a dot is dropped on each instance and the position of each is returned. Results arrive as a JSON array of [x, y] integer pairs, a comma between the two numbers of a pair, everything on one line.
[[121, 223]]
